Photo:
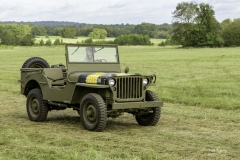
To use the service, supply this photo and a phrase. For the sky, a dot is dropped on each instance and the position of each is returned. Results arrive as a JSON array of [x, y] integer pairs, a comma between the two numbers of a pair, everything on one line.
[[106, 11]]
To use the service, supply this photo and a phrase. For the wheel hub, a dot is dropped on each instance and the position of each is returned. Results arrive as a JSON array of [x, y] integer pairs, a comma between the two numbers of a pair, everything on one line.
[[35, 106], [91, 113]]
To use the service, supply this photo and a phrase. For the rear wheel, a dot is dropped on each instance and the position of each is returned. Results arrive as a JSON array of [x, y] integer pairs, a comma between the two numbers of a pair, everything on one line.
[[37, 110], [93, 112], [35, 62], [151, 117]]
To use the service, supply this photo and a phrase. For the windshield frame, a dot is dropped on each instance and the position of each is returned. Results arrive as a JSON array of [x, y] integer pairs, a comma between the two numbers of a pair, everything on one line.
[[101, 66], [78, 53]]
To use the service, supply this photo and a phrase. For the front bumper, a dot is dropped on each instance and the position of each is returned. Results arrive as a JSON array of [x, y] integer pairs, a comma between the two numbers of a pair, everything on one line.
[[139, 105]]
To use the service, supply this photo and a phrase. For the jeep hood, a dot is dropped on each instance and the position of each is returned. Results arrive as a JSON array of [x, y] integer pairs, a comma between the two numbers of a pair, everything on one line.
[[95, 77]]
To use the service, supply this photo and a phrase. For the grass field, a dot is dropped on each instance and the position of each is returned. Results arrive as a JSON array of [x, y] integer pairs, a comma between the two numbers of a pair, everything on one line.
[[200, 118], [80, 39]]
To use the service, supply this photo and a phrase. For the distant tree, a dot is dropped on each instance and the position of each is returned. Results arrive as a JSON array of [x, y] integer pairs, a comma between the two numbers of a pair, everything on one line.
[[162, 44], [98, 33], [19, 30], [1, 30], [41, 43], [132, 39], [67, 33], [48, 42], [11, 34], [8, 37], [195, 25], [88, 40], [231, 33], [57, 42], [161, 35], [225, 23], [145, 29], [27, 40], [168, 42], [183, 18], [52, 30], [39, 31], [85, 30], [209, 27]]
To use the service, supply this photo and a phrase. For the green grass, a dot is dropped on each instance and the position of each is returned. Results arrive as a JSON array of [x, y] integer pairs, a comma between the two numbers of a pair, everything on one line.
[[156, 41], [193, 83], [203, 77], [80, 39], [69, 40]]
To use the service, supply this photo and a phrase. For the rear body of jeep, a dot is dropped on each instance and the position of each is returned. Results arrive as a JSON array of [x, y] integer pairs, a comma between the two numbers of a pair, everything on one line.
[[96, 89]]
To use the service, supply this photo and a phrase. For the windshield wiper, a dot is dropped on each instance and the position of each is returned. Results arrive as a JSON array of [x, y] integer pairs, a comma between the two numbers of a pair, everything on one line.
[[91, 47], [75, 50], [99, 49]]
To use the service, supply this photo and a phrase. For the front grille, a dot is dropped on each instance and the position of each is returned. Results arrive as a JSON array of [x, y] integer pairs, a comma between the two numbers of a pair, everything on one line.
[[129, 88]]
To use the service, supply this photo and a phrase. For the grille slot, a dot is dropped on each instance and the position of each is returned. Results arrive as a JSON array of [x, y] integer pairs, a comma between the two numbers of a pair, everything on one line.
[[129, 88]]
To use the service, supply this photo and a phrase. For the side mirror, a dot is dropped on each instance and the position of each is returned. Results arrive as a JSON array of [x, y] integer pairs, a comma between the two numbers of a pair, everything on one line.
[[126, 70]]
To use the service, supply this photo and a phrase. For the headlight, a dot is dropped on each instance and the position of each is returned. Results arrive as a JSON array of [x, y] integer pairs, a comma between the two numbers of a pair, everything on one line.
[[145, 81], [111, 82]]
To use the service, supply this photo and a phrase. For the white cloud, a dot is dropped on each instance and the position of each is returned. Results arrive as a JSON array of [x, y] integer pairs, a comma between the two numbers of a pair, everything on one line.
[[106, 11]]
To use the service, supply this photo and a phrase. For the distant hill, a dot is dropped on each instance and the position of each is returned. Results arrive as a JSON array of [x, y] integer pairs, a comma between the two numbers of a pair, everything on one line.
[[64, 23], [46, 23]]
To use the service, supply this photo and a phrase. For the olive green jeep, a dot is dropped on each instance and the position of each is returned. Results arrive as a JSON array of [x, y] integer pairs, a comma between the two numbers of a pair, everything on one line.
[[92, 84]]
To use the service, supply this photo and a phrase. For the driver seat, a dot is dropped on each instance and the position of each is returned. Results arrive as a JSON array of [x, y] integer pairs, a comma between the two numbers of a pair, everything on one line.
[[54, 77]]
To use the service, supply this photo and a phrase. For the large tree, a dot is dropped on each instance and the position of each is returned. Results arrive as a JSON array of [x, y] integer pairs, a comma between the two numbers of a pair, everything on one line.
[[195, 25], [68, 33], [183, 26], [12, 34], [231, 33], [98, 33], [39, 31], [8, 37]]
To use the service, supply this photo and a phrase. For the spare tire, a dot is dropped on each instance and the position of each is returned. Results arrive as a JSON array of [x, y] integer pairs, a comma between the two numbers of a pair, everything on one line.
[[35, 62]]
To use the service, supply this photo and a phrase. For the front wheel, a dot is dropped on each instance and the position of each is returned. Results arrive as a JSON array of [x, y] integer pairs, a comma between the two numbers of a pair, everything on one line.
[[93, 112], [151, 117], [37, 110]]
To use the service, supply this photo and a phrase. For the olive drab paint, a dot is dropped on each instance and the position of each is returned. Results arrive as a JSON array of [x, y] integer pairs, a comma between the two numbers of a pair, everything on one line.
[[90, 83]]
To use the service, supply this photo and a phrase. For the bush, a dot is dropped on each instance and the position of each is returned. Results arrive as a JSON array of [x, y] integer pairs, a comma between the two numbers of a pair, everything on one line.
[[104, 42], [132, 39], [48, 42], [41, 43], [57, 42], [88, 40], [231, 34], [27, 40], [168, 42], [162, 44]]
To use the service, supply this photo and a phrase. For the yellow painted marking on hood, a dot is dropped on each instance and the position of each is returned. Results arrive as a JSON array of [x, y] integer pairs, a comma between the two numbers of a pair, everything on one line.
[[92, 78]]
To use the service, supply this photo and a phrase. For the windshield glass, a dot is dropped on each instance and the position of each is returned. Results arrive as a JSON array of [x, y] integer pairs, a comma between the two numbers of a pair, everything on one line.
[[92, 54]]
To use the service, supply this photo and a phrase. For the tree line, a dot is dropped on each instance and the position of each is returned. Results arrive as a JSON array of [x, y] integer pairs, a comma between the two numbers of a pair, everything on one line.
[[194, 25], [23, 34]]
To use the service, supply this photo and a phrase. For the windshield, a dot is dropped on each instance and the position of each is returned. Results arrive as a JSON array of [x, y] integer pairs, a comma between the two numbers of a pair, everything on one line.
[[92, 54]]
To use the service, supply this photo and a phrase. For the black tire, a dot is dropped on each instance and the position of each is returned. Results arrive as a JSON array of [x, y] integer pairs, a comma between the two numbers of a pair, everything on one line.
[[37, 110], [93, 112], [150, 118], [35, 62]]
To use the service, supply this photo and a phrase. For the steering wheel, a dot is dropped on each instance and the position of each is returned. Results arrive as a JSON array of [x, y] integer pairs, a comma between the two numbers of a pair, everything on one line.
[[100, 60]]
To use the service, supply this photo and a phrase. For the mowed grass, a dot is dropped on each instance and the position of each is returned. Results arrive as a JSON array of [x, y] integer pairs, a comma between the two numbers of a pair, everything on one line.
[[200, 118]]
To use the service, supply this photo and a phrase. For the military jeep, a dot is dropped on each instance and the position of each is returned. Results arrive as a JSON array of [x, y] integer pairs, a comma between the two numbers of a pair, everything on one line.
[[91, 83]]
